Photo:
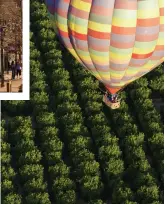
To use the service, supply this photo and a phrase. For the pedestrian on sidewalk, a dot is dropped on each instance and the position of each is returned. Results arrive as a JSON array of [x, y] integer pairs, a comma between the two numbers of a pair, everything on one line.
[[13, 69], [18, 68], [9, 66]]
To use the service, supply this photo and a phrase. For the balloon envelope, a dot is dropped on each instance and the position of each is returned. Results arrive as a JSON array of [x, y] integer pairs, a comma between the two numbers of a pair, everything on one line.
[[118, 41]]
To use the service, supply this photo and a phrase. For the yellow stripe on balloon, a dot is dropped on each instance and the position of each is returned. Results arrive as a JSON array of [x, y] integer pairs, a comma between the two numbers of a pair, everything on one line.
[[118, 84], [144, 50], [97, 75], [62, 27], [161, 3], [85, 6], [123, 22], [148, 13], [120, 57], [99, 27], [100, 61], [102, 58], [78, 28], [160, 41], [85, 58], [161, 19]]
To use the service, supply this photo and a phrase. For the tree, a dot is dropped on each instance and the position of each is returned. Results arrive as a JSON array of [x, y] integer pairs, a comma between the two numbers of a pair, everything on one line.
[[35, 185], [39, 98], [58, 170], [62, 184], [48, 132], [5, 158], [7, 186], [88, 168], [114, 168], [7, 172], [91, 186], [45, 119], [66, 197], [147, 194], [122, 194], [42, 198], [30, 171], [107, 152], [32, 157], [12, 198]]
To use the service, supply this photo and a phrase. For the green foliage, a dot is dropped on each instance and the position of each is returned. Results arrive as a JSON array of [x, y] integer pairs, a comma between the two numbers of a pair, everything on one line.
[[39, 98], [14, 107], [41, 198], [30, 171], [12, 198], [77, 132], [7, 186], [46, 119], [60, 169], [151, 123], [35, 185], [7, 172]]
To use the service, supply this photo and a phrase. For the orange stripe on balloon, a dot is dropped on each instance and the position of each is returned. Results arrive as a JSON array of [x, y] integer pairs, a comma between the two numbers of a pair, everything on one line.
[[122, 45], [61, 12], [148, 22], [141, 56], [63, 33], [100, 35], [161, 11], [123, 30], [159, 47], [125, 4], [161, 29], [78, 35]]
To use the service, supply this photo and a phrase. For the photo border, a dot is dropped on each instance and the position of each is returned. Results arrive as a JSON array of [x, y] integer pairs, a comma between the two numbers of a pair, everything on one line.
[[25, 94]]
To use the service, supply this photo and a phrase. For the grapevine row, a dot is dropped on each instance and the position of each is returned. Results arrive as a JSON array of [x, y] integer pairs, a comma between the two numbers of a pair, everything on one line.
[[150, 122], [28, 161], [70, 120], [8, 183], [140, 175], [62, 187]]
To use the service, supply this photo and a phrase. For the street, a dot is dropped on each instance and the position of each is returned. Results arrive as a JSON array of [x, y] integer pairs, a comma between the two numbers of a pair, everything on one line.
[[15, 84]]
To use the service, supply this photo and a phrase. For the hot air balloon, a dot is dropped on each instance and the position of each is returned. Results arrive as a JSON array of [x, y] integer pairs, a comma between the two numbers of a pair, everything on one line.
[[118, 41]]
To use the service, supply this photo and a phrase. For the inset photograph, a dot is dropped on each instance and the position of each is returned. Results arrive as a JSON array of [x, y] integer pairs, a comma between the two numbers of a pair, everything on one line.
[[11, 47]]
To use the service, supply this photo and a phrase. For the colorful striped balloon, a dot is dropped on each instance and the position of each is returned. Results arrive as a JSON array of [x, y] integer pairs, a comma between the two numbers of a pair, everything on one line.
[[118, 41]]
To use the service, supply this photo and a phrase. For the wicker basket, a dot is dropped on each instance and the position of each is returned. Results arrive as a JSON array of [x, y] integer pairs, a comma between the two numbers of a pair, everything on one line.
[[110, 104]]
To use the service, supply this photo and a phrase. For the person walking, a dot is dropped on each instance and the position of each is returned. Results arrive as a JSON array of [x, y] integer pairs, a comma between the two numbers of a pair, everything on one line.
[[9, 66], [13, 69], [18, 69]]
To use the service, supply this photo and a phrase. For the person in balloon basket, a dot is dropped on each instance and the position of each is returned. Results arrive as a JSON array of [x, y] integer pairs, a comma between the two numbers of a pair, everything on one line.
[[112, 97]]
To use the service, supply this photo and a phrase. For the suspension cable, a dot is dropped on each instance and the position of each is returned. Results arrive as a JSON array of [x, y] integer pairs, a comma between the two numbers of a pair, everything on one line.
[[102, 90]]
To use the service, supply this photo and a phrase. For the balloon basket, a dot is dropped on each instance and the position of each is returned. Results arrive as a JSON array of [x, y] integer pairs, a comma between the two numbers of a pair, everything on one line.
[[110, 104]]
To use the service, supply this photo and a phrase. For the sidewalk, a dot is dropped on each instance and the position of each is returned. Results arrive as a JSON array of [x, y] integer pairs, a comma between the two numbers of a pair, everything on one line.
[[15, 83]]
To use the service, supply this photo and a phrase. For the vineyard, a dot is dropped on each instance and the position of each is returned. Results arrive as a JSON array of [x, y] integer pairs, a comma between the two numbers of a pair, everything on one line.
[[64, 146]]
